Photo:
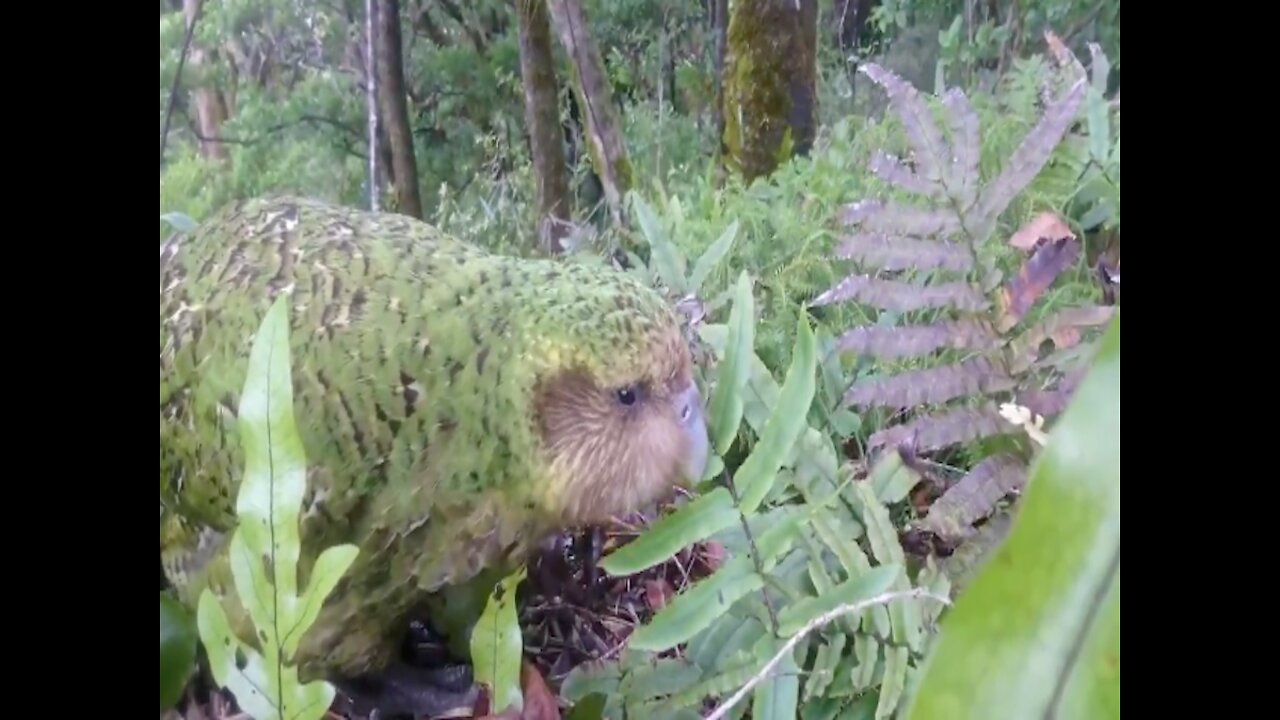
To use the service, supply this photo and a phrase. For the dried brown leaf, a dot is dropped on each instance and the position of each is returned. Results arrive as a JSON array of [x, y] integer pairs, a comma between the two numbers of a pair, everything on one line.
[[903, 296], [917, 340], [1047, 225], [1062, 327], [977, 375], [892, 252], [944, 429], [1035, 276], [657, 593], [539, 702], [951, 517]]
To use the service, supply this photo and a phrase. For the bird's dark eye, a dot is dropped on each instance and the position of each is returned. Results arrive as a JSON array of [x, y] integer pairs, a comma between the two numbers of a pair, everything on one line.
[[627, 396]]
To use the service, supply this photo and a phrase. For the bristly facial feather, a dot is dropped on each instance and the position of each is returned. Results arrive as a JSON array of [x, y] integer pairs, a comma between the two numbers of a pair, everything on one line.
[[615, 448]]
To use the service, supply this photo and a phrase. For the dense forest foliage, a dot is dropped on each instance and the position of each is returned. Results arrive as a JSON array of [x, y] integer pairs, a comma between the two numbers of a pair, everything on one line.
[[893, 229]]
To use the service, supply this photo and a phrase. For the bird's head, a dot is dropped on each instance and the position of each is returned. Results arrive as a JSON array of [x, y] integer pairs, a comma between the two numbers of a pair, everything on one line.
[[623, 421]]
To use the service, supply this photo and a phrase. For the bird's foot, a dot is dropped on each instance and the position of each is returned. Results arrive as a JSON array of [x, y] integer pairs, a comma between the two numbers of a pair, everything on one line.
[[593, 542], [404, 690]]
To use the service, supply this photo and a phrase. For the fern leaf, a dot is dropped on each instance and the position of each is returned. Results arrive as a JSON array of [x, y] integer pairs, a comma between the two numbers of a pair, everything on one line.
[[974, 497], [974, 376], [966, 146], [942, 430], [1031, 155], [930, 154], [893, 171], [917, 340], [900, 296], [895, 217], [893, 252], [1050, 402], [1035, 276]]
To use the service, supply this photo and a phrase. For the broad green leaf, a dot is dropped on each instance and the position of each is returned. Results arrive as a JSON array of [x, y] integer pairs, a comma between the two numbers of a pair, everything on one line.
[[590, 707], [755, 477], [1037, 632], [177, 649], [726, 401], [713, 255], [267, 539], [869, 584], [591, 678], [497, 645], [699, 519]]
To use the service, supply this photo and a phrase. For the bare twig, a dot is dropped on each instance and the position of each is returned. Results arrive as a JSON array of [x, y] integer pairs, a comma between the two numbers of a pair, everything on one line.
[[177, 77], [371, 100], [809, 627]]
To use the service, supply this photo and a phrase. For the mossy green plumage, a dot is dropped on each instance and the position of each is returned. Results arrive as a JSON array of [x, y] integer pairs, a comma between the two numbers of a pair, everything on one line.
[[416, 363]]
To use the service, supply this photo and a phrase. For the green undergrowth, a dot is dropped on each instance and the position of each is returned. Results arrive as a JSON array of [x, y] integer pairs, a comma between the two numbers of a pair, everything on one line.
[[907, 322]]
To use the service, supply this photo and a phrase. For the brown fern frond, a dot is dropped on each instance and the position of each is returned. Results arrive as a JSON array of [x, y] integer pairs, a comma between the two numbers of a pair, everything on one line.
[[898, 219], [974, 376], [899, 296], [917, 340], [966, 148], [895, 172], [974, 497], [1049, 402], [1027, 161], [1062, 328], [931, 433], [930, 152], [895, 252], [1047, 261]]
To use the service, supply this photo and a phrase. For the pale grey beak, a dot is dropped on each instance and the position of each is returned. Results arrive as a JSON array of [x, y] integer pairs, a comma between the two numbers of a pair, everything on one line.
[[694, 423]]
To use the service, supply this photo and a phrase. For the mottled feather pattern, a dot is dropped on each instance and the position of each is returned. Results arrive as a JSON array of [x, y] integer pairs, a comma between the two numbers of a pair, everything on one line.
[[420, 366]]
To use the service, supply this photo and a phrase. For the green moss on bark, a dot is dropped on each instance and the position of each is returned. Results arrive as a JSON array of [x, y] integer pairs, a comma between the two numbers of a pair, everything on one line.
[[770, 98]]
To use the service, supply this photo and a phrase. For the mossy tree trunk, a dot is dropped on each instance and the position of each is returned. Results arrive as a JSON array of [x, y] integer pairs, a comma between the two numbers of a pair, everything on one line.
[[542, 117], [603, 134], [770, 84], [393, 105]]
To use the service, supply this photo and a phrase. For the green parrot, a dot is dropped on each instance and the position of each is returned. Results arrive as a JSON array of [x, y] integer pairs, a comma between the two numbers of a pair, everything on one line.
[[456, 408]]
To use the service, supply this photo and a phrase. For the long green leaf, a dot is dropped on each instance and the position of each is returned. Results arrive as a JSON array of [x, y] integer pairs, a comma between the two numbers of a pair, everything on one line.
[[496, 646], [712, 256], [789, 418], [694, 522], [1037, 632], [727, 400], [267, 536]]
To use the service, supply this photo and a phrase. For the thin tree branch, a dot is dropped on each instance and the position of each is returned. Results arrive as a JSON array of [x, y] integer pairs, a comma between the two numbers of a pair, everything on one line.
[[279, 127], [814, 624], [177, 77]]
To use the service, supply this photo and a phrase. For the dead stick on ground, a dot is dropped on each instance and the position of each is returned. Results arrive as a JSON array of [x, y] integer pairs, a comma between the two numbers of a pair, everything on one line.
[[809, 627]]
